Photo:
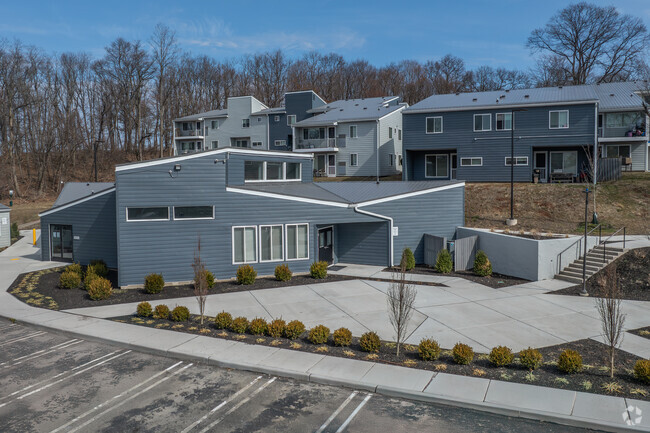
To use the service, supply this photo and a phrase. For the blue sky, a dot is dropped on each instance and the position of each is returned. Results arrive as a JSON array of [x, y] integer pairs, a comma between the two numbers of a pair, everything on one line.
[[480, 31]]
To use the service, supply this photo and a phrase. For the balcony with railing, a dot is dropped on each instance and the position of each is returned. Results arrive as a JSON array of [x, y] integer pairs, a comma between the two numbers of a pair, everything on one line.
[[189, 133], [314, 145]]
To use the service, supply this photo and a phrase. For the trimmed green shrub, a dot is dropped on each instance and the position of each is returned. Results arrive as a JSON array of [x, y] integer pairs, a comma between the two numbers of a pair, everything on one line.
[[246, 275], [319, 334], [294, 329], [318, 270], [258, 326], [501, 356], [144, 309], [209, 279], [69, 280], [14, 231], [342, 337], [276, 328], [90, 276], [283, 273], [444, 263], [462, 354], [99, 289], [100, 267], [239, 325], [180, 314], [642, 370], [74, 267], [482, 265], [531, 358], [154, 283], [161, 312], [370, 342], [569, 361], [223, 320], [408, 259], [429, 349]]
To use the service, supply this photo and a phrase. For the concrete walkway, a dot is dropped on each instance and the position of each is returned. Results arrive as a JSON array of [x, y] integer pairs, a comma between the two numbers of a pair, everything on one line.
[[561, 406]]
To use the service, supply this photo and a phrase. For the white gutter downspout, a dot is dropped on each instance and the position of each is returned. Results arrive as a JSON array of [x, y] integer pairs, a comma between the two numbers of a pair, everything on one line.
[[390, 234], [377, 133], [596, 148]]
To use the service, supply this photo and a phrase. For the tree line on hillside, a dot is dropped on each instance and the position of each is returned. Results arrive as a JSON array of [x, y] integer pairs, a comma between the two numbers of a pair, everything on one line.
[[57, 111]]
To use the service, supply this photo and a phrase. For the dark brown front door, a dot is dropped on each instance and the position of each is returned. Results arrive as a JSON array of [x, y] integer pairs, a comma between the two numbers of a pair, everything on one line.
[[325, 245]]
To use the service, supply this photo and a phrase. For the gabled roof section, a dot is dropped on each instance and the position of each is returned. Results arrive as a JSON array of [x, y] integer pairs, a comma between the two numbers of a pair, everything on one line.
[[621, 96], [73, 191], [360, 192], [213, 114], [351, 110], [4, 208], [271, 111]]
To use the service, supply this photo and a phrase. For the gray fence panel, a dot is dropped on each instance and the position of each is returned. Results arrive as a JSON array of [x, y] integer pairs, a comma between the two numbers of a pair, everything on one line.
[[465, 253], [432, 246], [609, 169]]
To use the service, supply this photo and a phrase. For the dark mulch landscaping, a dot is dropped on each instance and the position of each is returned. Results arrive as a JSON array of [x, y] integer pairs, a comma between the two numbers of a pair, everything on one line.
[[632, 271], [495, 281], [641, 332], [591, 379]]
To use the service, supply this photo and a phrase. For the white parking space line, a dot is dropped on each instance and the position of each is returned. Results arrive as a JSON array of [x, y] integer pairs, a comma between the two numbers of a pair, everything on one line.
[[26, 337], [126, 400], [337, 412], [238, 405], [99, 406], [7, 327], [40, 353], [353, 414], [220, 405]]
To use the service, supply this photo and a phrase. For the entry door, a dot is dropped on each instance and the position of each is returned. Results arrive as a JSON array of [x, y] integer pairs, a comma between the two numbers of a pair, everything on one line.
[[454, 165], [331, 165], [325, 245], [61, 243], [541, 165]]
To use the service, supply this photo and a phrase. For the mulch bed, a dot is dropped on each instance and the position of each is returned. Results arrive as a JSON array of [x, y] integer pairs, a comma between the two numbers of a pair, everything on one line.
[[591, 379], [494, 281], [641, 332], [632, 271]]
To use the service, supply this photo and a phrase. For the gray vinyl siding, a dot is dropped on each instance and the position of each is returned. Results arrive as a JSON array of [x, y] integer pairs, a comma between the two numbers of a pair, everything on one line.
[[364, 145], [294, 104], [93, 230], [278, 130], [365, 244], [5, 229], [638, 154], [388, 145], [236, 166]]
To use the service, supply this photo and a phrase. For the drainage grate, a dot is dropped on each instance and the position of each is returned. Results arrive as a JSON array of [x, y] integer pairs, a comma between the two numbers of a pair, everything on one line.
[[336, 268]]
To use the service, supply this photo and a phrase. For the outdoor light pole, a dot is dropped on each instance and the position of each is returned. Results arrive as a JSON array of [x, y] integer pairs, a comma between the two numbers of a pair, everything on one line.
[[11, 198], [512, 221], [584, 256]]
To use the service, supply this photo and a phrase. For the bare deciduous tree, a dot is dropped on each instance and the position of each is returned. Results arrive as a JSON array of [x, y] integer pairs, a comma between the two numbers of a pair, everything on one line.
[[400, 297], [200, 280], [612, 317]]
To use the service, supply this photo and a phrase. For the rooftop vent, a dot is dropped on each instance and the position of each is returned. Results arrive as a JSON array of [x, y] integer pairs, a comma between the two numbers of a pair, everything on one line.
[[365, 108], [559, 87], [341, 109], [356, 105], [526, 96], [507, 90], [474, 100], [611, 94], [457, 93], [502, 96]]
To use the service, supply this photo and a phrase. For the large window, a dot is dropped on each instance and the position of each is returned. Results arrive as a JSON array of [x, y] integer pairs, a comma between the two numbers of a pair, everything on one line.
[[291, 119], [244, 244], [504, 121], [214, 124], [482, 122], [558, 119], [274, 171], [147, 213], [622, 120], [519, 160], [436, 166], [434, 125], [253, 170], [271, 243], [245, 123], [353, 131], [313, 133], [564, 162], [469, 162], [193, 212], [618, 151], [271, 171], [292, 170], [297, 241]]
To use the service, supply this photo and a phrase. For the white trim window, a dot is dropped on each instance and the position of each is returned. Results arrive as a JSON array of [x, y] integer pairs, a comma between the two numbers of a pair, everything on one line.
[[482, 122], [471, 162], [354, 159], [214, 124], [503, 122], [272, 171], [280, 143], [434, 125], [436, 165], [399, 134], [618, 151], [563, 162], [152, 213], [246, 123], [215, 144], [271, 243], [291, 119], [297, 241], [257, 143], [276, 118], [391, 159], [193, 212], [519, 160], [244, 244], [353, 131], [558, 119], [390, 132]]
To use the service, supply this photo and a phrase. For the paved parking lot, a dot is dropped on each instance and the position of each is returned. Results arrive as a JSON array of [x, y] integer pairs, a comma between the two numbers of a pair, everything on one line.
[[53, 383]]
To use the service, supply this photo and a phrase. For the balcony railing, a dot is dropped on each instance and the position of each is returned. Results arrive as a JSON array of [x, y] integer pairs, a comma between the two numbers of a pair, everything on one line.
[[188, 133], [324, 143]]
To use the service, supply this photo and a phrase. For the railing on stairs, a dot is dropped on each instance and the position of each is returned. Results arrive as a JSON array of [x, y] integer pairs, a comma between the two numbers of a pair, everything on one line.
[[580, 248], [604, 243]]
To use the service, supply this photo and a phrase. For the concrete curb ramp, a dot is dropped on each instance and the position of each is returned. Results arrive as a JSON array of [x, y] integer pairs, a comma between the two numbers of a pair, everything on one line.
[[518, 400]]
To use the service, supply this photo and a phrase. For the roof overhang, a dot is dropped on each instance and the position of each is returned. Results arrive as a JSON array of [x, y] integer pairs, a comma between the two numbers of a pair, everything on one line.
[[76, 202], [638, 139]]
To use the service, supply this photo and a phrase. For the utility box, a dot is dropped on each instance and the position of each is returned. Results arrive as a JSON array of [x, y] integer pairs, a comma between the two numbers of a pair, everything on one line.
[[5, 226]]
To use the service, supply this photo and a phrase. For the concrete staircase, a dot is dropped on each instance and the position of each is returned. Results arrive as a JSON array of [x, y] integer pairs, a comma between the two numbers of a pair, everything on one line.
[[573, 272]]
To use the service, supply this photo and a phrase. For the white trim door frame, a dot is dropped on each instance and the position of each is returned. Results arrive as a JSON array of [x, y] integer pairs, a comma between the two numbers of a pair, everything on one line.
[[543, 170]]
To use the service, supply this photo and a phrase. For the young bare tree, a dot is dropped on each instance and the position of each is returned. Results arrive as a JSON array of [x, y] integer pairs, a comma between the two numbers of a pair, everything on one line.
[[163, 44], [401, 297], [200, 280], [612, 317]]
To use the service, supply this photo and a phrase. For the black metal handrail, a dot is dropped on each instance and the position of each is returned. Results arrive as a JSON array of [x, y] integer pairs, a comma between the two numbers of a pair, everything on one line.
[[559, 260], [604, 243]]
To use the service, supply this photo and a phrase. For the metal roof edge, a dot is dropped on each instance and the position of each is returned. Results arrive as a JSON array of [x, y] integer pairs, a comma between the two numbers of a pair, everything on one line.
[[76, 202]]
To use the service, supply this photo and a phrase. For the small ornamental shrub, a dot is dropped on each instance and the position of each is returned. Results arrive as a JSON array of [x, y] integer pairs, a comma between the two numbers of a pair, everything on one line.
[[75, 267], [569, 362], [462, 353], [69, 280], [99, 289], [318, 270], [444, 264], [100, 267], [154, 283], [276, 328], [283, 273], [370, 342], [14, 231], [239, 325], [223, 320], [342, 337], [319, 334], [258, 326], [408, 259], [642, 371], [180, 314], [144, 309], [209, 279], [429, 349], [482, 265], [501, 356], [161, 312], [90, 276], [246, 275], [294, 329], [531, 358]]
